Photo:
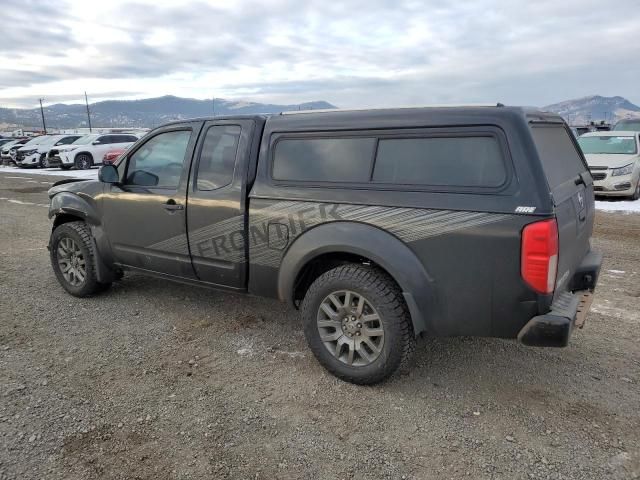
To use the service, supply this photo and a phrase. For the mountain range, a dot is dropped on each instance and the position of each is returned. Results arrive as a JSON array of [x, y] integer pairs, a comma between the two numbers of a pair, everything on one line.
[[151, 112], [595, 109]]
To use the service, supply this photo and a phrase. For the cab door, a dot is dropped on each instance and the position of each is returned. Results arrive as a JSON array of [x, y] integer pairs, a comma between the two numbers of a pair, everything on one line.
[[145, 215], [217, 202]]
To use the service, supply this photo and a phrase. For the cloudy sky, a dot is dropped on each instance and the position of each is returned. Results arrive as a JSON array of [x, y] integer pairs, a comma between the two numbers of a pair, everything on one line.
[[359, 53]]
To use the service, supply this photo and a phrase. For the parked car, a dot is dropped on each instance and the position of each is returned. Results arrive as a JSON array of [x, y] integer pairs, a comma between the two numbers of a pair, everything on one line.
[[628, 125], [5, 140], [90, 149], [5, 150], [112, 155], [377, 225], [28, 147], [37, 155], [614, 162]]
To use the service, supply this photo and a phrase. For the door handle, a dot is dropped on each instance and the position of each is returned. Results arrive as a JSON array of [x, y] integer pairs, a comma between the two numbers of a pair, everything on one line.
[[172, 206]]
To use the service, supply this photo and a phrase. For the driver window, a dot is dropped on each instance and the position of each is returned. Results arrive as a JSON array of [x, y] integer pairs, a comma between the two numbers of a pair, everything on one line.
[[158, 163]]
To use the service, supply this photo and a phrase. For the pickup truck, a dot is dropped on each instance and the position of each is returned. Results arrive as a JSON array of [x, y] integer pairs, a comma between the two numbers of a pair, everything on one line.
[[378, 225]]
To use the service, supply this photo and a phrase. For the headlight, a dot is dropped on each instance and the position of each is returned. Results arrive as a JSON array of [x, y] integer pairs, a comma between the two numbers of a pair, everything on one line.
[[626, 170], [68, 149], [29, 152]]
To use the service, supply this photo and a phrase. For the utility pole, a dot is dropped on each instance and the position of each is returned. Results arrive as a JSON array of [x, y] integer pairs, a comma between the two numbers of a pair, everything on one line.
[[44, 125], [86, 101], [214, 106]]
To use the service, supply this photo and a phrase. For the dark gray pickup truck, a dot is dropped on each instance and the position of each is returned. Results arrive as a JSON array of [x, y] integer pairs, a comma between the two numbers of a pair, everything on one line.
[[377, 225]]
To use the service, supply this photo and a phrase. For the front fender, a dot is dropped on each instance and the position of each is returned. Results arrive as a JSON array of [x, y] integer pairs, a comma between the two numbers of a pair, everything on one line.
[[73, 204], [382, 248]]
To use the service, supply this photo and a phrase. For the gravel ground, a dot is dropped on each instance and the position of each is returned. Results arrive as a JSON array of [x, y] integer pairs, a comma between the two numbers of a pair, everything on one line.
[[155, 380]]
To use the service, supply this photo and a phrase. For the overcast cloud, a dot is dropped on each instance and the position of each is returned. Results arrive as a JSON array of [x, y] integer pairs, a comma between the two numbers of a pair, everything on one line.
[[351, 53]]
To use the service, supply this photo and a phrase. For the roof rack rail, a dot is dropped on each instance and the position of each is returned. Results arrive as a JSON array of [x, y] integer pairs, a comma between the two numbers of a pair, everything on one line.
[[345, 110]]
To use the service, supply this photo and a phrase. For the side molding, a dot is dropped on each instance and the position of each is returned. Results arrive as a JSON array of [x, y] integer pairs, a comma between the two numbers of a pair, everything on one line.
[[375, 244]]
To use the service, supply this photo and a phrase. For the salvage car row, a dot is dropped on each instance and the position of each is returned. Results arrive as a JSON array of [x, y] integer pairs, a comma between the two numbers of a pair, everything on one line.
[[66, 150]]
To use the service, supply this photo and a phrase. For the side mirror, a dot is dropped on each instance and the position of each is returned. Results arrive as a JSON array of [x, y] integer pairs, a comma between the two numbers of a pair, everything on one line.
[[108, 174], [96, 142]]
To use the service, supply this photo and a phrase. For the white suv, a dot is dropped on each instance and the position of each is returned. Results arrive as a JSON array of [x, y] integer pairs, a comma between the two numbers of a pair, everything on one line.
[[36, 155], [89, 150]]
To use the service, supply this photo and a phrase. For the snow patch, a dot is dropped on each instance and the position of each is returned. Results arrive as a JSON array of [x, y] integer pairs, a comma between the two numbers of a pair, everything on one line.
[[626, 206], [91, 174]]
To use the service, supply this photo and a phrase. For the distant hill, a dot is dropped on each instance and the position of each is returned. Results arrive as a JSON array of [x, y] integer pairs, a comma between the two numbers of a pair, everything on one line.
[[148, 112], [595, 108]]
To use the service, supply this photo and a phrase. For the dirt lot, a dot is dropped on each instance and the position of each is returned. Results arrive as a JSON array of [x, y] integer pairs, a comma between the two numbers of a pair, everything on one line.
[[154, 380]]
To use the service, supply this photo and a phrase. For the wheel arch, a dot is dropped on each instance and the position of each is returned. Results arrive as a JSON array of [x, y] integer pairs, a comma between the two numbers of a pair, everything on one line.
[[340, 242], [68, 207]]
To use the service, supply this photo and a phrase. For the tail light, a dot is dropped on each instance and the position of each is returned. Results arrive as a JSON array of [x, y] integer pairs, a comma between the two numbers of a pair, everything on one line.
[[539, 261]]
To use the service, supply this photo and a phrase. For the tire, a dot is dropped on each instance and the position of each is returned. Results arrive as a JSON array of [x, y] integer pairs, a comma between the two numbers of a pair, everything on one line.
[[394, 338], [72, 245], [43, 163], [636, 193], [83, 161]]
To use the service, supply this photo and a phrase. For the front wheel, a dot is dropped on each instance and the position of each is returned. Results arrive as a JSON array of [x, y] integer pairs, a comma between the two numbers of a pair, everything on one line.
[[73, 258], [44, 161], [357, 324], [84, 162]]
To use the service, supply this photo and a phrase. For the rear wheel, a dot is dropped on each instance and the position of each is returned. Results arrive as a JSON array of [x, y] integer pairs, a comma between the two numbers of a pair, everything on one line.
[[84, 161], [44, 161], [357, 324], [73, 258]]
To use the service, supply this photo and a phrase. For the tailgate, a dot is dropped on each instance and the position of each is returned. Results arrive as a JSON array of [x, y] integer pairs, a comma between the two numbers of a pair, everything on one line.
[[571, 187]]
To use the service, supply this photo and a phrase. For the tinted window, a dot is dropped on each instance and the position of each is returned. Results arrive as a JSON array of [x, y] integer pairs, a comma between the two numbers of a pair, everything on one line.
[[449, 161], [123, 138], [158, 162], [324, 159], [104, 140], [218, 157], [560, 159]]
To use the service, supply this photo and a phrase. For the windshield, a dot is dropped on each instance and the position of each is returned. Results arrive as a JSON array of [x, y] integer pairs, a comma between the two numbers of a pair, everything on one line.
[[608, 145], [633, 125], [50, 140], [85, 140], [33, 141]]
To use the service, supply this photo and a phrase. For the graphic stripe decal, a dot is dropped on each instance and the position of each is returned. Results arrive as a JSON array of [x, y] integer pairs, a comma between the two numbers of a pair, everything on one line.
[[226, 239]]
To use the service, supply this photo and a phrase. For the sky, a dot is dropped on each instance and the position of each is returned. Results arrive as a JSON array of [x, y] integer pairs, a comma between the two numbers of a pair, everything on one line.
[[354, 54]]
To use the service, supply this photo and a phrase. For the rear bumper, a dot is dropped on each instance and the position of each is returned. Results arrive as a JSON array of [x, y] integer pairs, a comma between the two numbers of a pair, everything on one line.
[[553, 329]]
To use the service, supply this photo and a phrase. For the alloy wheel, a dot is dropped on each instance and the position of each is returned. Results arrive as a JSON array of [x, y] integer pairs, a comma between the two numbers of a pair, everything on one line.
[[350, 328], [71, 261]]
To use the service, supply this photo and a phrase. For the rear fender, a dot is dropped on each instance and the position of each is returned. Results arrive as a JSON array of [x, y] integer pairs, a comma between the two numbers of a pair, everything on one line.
[[379, 246]]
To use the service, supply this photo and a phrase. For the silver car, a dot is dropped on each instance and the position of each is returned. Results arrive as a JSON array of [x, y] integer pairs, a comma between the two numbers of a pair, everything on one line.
[[614, 162]]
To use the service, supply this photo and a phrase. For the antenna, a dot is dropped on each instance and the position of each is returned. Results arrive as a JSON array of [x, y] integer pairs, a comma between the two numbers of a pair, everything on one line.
[[86, 101], [44, 125]]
